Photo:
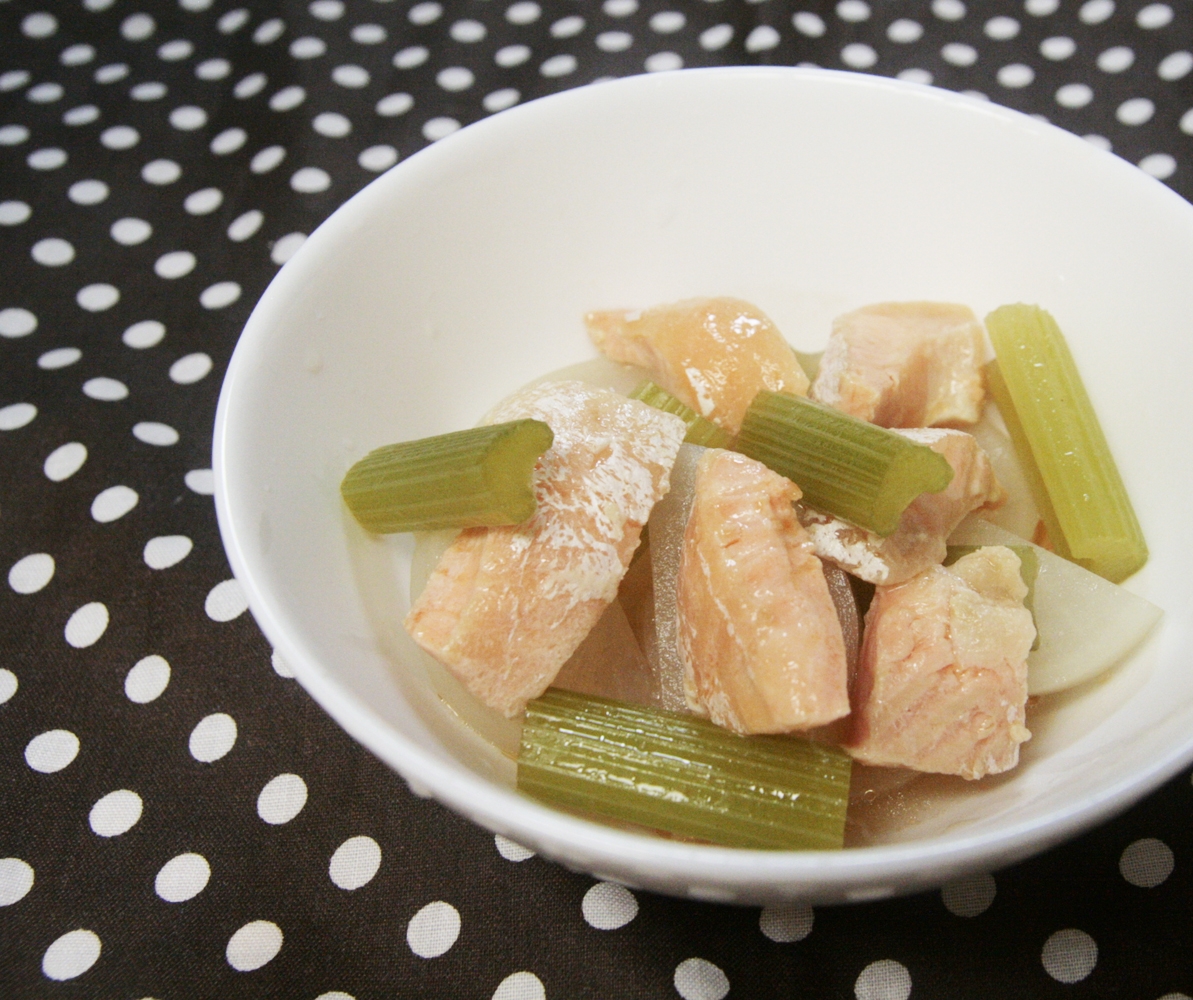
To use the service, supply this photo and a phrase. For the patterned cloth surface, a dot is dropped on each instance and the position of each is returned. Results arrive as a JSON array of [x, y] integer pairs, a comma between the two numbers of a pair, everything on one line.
[[178, 818]]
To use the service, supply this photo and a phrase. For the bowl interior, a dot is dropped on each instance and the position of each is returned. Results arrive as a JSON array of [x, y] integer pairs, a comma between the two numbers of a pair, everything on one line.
[[464, 273]]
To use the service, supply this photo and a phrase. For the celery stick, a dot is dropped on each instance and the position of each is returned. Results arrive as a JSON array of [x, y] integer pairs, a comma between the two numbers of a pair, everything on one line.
[[475, 478], [1029, 569], [701, 431], [683, 775], [845, 466], [1076, 483]]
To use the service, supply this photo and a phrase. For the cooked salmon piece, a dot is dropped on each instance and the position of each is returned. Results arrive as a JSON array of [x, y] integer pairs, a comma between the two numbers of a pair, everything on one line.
[[905, 364], [942, 684], [713, 354], [758, 631], [506, 607], [919, 541]]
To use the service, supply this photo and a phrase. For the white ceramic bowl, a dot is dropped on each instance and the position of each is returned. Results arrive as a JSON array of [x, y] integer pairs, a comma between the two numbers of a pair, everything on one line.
[[463, 273]]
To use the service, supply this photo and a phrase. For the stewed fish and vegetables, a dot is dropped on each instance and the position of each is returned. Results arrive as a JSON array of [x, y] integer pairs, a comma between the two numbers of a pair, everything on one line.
[[788, 573]]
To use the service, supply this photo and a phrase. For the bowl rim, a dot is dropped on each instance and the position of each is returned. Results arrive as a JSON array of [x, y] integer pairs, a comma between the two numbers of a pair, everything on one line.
[[561, 835]]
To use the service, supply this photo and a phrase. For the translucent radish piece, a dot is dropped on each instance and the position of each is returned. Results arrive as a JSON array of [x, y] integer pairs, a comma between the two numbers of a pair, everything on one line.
[[1085, 623], [480, 477], [841, 591], [854, 470], [1081, 495], [1019, 514], [683, 775], [609, 663], [810, 363], [700, 431]]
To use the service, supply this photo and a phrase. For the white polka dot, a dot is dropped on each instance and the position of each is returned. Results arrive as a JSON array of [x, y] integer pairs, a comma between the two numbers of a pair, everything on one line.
[[409, 57], [499, 100], [1070, 955], [786, 922], [369, 34], [267, 159], [130, 232], [106, 390], [948, 10], [511, 55], [375, 158], [467, 31], [13, 135], [394, 104], [88, 192], [212, 738], [1186, 122], [16, 322], [201, 481], [14, 79], [225, 601], [433, 929], [970, 896], [161, 172], [959, 54], [233, 21], [8, 687], [213, 69], [60, 357], [113, 503], [269, 31], [176, 264], [560, 65], [715, 38], [903, 31], [355, 862], [524, 12], [176, 50], [1041, 8], [1175, 66], [809, 24], [619, 8], [1116, 59], [84, 114], [280, 666], [98, 4], [188, 118], [151, 90], [77, 55], [667, 22], [335, 995], [608, 906], [1153, 16], [250, 86], [45, 93], [425, 13], [161, 435], [287, 99], [13, 213], [39, 25], [190, 368], [885, 979], [115, 813], [282, 799], [858, 56], [614, 41], [307, 47], [52, 252], [1016, 75], [438, 128], [1096, 11], [167, 550], [1074, 95], [1136, 111], [455, 78], [120, 137], [1001, 28], [327, 10], [181, 878], [88, 624], [111, 73], [31, 573], [16, 415], [510, 850], [1146, 863], [244, 226], [569, 27], [310, 180], [137, 27], [46, 159], [662, 62], [331, 124], [219, 295], [97, 297], [228, 141], [254, 945], [71, 955], [16, 878], [853, 10], [64, 461], [698, 979], [1158, 165], [147, 679], [520, 986], [762, 38], [351, 76], [51, 751], [145, 334]]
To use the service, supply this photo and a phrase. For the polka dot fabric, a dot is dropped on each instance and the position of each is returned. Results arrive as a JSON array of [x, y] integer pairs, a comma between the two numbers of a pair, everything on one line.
[[180, 819]]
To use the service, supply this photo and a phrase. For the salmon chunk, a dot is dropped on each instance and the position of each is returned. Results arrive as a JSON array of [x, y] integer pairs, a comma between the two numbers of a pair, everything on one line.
[[919, 541], [905, 364], [713, 354], [506, 607], [759, 635], [942, 684]]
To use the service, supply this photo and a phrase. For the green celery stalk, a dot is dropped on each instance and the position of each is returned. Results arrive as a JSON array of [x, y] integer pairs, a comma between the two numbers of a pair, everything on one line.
[[1029, 570], [683, 775], [1074, 478], [850, 468], [701, 430], [480, 477]]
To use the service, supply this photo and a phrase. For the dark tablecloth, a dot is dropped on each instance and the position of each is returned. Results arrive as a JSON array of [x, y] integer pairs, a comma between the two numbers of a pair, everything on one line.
[[177, 818]]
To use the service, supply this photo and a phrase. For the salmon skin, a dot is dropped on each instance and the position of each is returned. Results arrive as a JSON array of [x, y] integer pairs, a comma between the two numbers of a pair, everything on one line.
[[905, 364], [759, 634], [713, 354], [942, 683], [506, 607]]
